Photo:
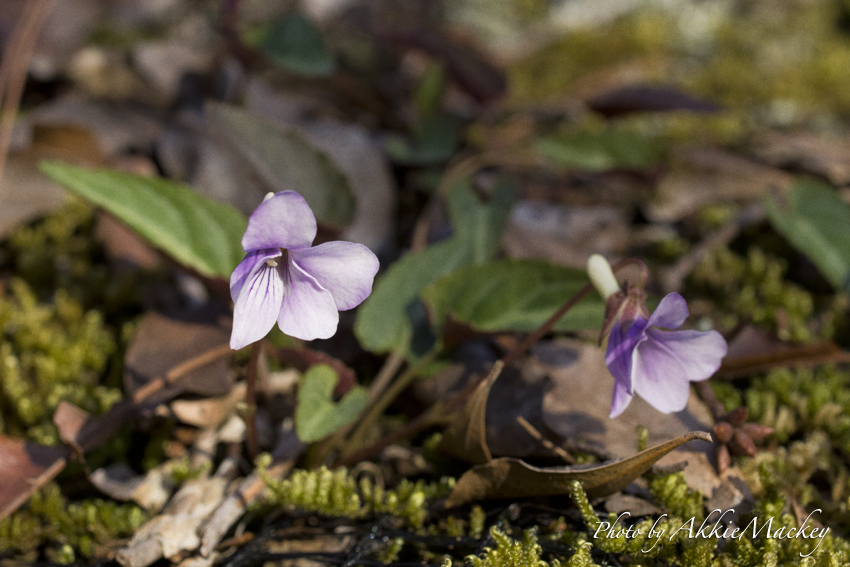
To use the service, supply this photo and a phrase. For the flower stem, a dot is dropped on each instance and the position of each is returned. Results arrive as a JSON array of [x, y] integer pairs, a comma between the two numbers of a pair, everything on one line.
[[389, 395], [251, 442]]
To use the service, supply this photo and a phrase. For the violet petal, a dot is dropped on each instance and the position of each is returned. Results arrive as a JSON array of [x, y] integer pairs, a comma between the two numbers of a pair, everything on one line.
[[243, 271], [621, 399], [666, 362], [670, 313], [345, 269], [308, 311], [256, 306], [283, 221], [619, 355]]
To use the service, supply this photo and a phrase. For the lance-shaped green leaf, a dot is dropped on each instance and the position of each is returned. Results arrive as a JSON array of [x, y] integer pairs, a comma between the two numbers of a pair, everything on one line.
[[512, 295], [285, 160], [387, 319], [815, 221], [316, 415], [196, 232], [600, 151]]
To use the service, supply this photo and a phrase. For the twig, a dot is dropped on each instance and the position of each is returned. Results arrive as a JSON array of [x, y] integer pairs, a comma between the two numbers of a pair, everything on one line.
[[709, 399], [234, 506], [531, 430], [179, 371], [13, 69]]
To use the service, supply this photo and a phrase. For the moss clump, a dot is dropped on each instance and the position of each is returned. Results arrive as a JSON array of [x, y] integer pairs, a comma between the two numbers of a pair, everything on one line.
[[754, 288], [803, 401], [74, 530], [338, 493], [509, 552], [50, 352]]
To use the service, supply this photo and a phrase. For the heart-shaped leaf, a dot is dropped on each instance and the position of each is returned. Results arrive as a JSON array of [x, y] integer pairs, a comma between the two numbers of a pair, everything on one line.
[[512, 295], [196, 232], [388, 318], [316, 415]]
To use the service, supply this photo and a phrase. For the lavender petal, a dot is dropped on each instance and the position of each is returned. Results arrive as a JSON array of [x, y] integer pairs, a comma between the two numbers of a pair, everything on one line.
[[283, 221], [621, 399], [256, 306], [248, 264], [308, 311], [666, 362], [670, 313], [619, 355], [345, 269]]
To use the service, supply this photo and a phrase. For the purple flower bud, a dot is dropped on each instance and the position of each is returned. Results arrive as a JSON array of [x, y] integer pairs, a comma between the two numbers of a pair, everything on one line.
[[285, 279]]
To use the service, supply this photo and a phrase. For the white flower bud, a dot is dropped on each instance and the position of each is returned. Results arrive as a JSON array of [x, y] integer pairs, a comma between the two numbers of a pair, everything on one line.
[[601, 276]]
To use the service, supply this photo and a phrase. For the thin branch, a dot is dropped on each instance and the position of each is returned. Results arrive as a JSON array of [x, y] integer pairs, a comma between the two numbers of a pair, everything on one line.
[[531, 430]]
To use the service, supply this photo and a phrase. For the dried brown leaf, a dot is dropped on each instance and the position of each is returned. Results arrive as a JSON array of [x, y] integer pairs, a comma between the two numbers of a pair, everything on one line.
[[578, 405], [162, 343], [24, 468], [514, 478]]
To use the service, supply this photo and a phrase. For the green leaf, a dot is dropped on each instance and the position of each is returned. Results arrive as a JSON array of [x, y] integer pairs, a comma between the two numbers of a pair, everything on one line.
[[513, 295], [316, 415], [435, 139], [196, 232], [600, 151], [296, 45], [286, 161], [388, 318], [815, 220]]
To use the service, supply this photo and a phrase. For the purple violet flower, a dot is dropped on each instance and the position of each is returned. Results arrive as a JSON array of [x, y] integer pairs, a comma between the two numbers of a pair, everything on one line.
[[286, 280], [644, 358], [657, 364]]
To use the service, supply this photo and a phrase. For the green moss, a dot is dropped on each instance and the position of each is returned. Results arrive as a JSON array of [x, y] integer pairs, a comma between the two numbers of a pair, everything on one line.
[[73, 530], [511, 553], [338, 493], [754, 288], [50, 352]]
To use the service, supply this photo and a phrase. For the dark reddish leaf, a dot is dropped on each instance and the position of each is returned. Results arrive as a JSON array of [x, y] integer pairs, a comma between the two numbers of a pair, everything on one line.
[[644, 98], [24, 468]]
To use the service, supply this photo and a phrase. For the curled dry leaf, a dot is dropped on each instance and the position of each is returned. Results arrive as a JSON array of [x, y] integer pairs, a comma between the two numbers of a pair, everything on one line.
[[466, 436], [514, 478]]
